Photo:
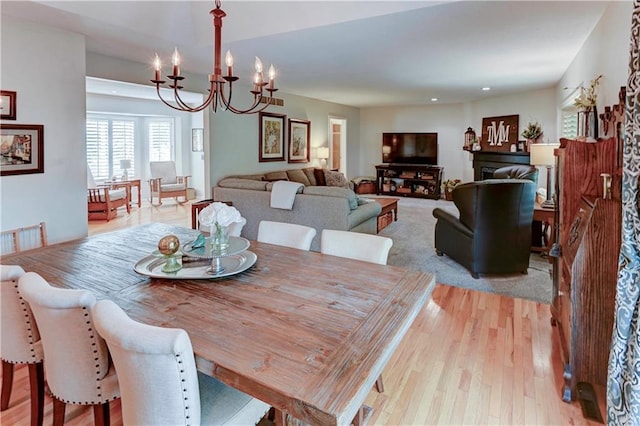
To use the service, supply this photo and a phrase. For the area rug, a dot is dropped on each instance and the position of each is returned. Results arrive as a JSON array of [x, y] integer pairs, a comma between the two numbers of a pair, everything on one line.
[[413, 248]]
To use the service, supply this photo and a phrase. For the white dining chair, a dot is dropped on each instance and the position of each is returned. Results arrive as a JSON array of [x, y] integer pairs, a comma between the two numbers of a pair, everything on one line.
[[158, 377], [356, 245], [286, 234], [78, 370], [20, 342]]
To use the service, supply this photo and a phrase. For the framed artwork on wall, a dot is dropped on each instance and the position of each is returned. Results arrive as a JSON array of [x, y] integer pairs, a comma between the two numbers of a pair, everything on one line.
[[271, 137], [499, 133], [197, 140], [21, 149], [7, 105], [299, 140]]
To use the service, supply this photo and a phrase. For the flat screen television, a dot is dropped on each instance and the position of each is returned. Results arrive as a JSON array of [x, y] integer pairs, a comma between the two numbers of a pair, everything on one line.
[[410, 148]]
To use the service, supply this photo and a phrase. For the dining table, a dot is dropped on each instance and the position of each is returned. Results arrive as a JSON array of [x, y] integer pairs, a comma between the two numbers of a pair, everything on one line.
[[306, 332]]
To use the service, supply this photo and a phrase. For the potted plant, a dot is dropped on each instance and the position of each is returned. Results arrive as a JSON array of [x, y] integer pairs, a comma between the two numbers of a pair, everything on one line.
[[532, 132], [447, 187]]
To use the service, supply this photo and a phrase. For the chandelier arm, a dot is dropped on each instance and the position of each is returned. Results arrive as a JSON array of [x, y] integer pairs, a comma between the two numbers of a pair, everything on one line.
[[187, 108], [251, 110]]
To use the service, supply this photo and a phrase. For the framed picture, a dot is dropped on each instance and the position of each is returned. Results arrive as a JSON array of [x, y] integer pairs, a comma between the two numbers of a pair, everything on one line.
[[299, 140], [21, 149], [7, 105], [197, 140], [271, 137], [499, 133]]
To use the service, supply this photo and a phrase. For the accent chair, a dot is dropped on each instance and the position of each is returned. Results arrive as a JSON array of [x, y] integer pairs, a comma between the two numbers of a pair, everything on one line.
[[165, 182]]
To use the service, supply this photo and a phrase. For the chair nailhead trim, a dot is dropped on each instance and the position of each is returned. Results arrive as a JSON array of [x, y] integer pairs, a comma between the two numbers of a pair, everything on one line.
[[25, 309]]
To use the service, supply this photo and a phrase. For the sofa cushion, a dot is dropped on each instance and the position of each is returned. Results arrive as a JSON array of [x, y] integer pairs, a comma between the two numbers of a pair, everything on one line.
[[272, 176], [335, 179], [243, 184], [310, 175], [252, 177], [334, 191], [319, 175], [298, 175]]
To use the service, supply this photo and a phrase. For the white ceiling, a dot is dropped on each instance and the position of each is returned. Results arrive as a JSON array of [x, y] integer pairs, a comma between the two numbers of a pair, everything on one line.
[[360, 53]]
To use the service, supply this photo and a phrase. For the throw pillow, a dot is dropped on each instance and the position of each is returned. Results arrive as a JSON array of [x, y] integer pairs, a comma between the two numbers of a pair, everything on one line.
[[273, 176], [311, 176], [319, 175], [298, 175], [335, 179]]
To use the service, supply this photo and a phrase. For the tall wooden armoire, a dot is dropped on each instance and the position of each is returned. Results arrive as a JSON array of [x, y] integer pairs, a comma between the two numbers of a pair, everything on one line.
[[589, 220]]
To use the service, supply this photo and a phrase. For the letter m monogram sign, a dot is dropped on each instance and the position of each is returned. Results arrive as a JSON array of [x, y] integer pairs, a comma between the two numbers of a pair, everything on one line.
[[499, 133]]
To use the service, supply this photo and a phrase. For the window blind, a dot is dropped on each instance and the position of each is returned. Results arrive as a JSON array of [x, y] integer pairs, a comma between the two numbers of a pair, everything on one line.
[[108, 141], [160, 140]]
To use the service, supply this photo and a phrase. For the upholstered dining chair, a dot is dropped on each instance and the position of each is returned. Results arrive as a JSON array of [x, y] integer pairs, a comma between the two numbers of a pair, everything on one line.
[[102, 201], [355, 245], [158, 377], [20, 342], [78, 370], [286, 234], [165, 182], [358, 246]]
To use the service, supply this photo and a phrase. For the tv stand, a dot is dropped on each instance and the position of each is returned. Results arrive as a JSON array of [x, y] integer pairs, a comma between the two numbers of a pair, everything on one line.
[[409, 180]]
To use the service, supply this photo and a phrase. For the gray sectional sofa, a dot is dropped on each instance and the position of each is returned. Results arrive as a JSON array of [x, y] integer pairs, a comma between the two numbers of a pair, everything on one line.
[[318, 206]]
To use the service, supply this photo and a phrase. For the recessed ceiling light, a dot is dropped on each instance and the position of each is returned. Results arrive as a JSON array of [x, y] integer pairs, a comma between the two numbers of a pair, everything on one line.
[[434, 99], [486, 88]]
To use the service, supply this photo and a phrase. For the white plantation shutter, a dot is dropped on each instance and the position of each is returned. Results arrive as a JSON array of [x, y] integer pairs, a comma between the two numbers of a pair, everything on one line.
[[110, 140], [569, 124], [160, 140]]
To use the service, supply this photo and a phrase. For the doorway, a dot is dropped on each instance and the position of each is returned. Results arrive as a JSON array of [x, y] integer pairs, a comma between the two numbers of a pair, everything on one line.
[[337, 144]]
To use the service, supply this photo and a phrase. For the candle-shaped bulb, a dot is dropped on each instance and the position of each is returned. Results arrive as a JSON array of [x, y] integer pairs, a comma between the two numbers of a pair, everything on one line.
[[258, 65], [256, 78], [176, 57], [228, 59], [158, 67], [272, 73]]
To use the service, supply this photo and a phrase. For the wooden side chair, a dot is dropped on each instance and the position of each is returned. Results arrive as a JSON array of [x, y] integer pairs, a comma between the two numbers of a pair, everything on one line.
[[286, 234], [103, 202], [78, 367], [358, 246], [24, 238], [20, 342], [159, 381], [165, 182]]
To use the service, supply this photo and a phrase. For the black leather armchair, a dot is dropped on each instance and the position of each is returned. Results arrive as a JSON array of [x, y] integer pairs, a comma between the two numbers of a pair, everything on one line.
[[493, 233], [517, 172]]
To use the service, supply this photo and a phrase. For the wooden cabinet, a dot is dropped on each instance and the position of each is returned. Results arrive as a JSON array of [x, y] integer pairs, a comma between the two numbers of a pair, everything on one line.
[[411, 180], [585, 267]]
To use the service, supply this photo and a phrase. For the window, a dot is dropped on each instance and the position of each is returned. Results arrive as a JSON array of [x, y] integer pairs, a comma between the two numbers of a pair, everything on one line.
[[110, 140], [160, 133], [569, 124]]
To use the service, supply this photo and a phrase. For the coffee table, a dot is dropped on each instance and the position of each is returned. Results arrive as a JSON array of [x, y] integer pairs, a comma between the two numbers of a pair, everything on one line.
[[389, 211]]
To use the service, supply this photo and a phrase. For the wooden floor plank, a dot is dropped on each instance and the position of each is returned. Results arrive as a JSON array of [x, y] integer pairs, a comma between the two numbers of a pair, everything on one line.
[[469, 358]]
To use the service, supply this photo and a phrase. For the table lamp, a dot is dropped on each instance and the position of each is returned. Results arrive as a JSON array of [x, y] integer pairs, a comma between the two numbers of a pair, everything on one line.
[[323, 154], [541, 154], [124, 165]]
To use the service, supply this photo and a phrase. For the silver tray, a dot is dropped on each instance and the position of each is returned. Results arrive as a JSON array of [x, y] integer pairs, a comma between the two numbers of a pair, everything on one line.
[[236, 245], [197, 269]]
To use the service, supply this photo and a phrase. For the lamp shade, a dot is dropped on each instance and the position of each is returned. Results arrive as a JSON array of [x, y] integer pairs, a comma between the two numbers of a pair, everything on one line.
[[541, 154], [125, 164], [386, 149], [323, 152]]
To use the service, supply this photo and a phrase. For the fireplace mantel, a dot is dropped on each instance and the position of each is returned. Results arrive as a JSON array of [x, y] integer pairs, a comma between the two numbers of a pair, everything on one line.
[[485, 162]]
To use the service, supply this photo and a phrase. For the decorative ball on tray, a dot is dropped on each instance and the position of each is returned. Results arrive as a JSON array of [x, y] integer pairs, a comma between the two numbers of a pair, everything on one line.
[[168, 246]]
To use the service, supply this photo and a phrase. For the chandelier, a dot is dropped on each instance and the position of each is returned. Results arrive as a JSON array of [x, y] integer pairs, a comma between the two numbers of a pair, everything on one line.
[[217, 93]]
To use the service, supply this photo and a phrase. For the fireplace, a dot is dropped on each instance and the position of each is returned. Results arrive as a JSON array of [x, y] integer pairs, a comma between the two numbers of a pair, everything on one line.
[[485, 162]]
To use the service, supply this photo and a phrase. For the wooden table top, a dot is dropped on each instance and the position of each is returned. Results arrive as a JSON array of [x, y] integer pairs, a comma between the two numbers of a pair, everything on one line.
[[305, 332]]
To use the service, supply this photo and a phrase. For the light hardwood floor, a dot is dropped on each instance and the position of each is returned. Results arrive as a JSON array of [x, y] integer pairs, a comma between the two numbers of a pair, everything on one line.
[[469, 358]]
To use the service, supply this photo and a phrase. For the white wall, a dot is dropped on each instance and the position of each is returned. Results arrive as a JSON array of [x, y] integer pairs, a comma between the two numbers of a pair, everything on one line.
[[606, 53], [46, 67]]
